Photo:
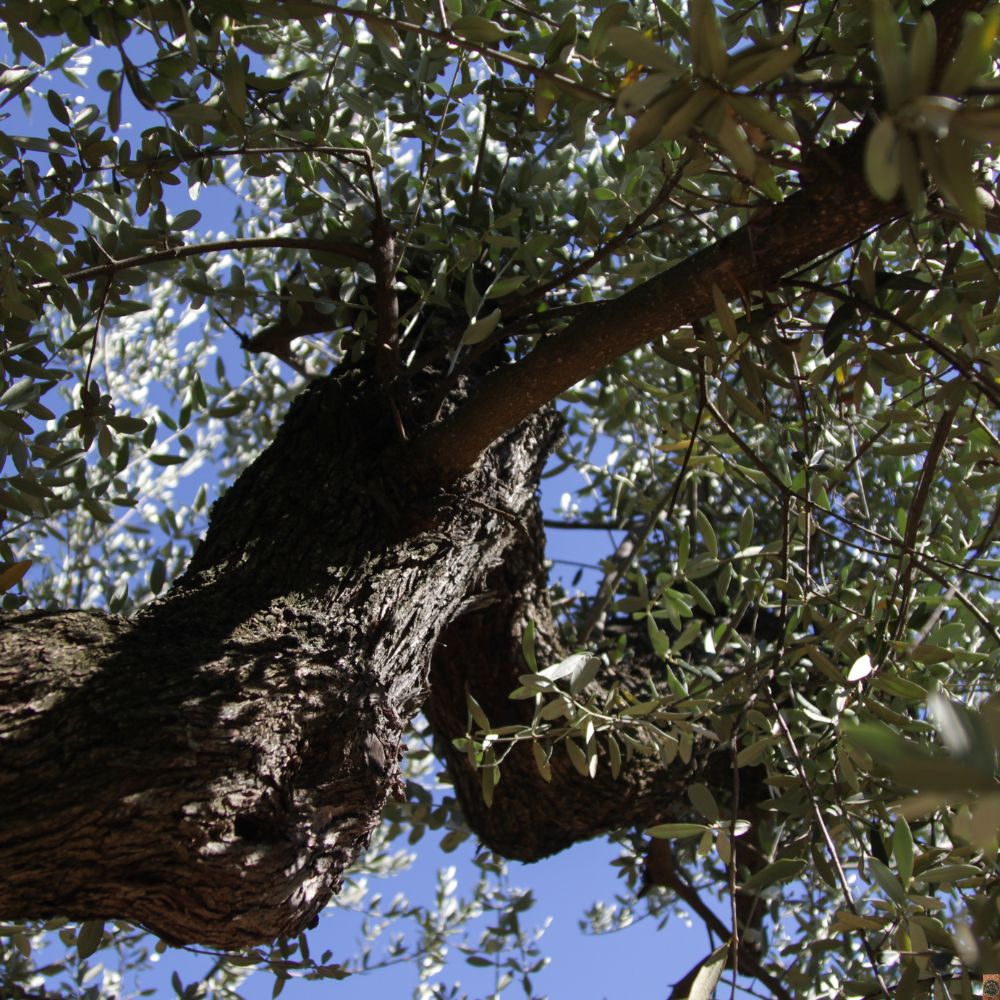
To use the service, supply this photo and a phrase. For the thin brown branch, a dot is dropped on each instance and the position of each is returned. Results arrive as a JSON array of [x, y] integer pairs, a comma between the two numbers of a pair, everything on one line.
[[550, 522], [954, 592], [757, 462], [671, 878], [830, 845], [564, 83], [570, 271], [386, 301], [172, 158], [534, 14], [351, 250], [428, 156], [902, 583], [991, 220], [105, 295], [681, 989], [733, 841], [217, 152], [922, 558]]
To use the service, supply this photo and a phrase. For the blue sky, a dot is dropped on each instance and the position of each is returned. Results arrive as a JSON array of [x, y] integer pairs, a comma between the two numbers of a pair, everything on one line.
[[638, 963]]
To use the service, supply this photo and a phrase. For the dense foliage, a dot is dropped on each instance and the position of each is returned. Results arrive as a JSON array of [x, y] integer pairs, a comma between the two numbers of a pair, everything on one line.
[[801, 482]]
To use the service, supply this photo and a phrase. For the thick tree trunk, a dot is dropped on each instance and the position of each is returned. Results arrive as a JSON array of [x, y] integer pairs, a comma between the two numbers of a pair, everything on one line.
[[210, 767]]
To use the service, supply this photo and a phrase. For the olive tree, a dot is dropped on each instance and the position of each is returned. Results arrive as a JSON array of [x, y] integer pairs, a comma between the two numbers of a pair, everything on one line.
[[747, 246]]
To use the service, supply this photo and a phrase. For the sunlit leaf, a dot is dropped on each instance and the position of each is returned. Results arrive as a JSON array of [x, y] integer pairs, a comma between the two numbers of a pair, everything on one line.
[[708, 976]]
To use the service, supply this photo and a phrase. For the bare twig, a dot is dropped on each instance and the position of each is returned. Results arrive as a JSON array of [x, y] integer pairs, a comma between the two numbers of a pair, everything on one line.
[[830, 846], [670, 877], [105, 295], [352, 250], [901, 585], [636, 539]]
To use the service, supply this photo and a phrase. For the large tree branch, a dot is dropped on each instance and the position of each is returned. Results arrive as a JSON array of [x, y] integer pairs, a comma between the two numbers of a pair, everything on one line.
[[832, 211], [480, 653]]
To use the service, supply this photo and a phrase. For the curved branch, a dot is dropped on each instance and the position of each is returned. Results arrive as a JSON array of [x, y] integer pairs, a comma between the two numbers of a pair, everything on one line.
[[480, 653], [816, 220], [563, 82], [351, 250]]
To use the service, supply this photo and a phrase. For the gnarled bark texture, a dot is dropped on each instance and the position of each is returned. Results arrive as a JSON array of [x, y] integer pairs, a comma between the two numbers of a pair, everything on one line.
[[210, 767]]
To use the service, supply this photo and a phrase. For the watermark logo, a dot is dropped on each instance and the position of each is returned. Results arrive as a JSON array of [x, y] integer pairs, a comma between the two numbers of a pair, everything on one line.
[[991, 984]]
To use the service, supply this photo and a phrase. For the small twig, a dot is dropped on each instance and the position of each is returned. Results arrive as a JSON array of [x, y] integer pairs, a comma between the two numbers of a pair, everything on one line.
[[429, 164], [477, 176], [528, 12], [670, 878], [550, 522], [954, 589], [922, 558], [281, 350], [570, 271], [902, 584], [105, 295], [386, 300], [758, 464], [351, 250], [636, 539], [828, 840], [860, 479], [955, 592], [858, 526]]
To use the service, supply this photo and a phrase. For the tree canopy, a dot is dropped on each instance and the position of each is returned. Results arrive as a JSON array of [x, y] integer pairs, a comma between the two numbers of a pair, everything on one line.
[[354, 272]]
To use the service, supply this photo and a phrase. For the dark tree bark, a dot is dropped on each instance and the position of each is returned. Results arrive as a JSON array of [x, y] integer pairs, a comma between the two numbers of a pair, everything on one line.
[[210, 767]]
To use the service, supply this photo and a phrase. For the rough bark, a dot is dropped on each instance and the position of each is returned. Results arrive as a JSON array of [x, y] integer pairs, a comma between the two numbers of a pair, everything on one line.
[[209, 767]]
